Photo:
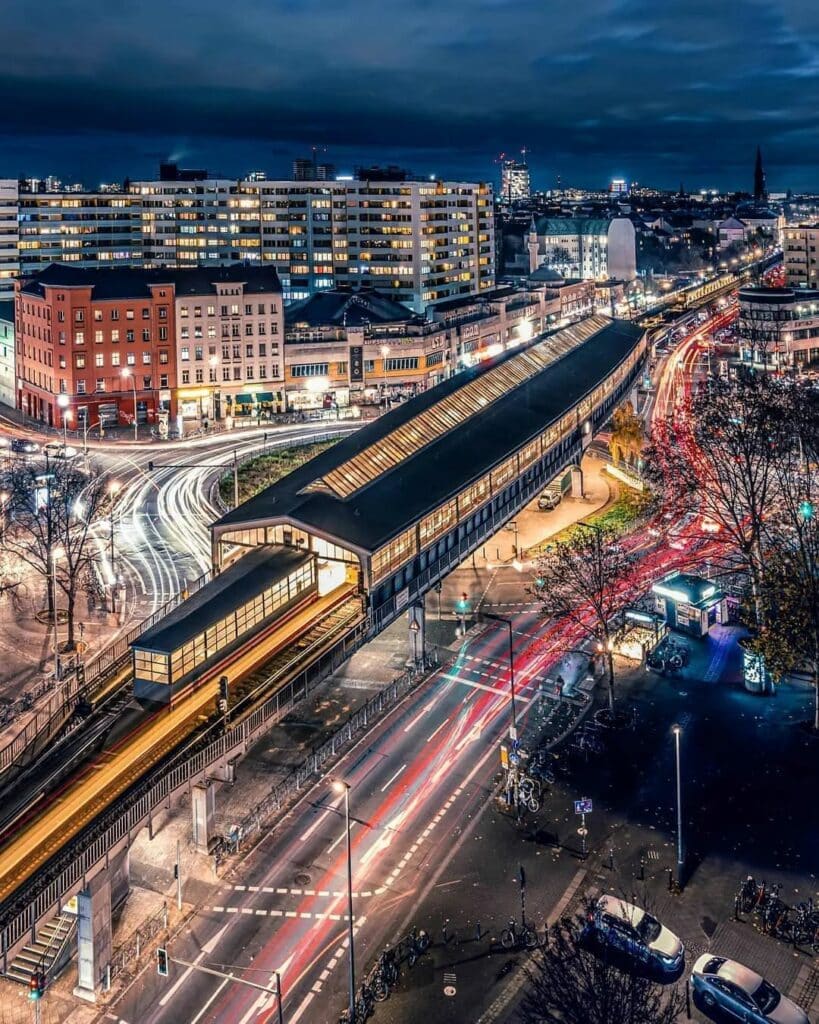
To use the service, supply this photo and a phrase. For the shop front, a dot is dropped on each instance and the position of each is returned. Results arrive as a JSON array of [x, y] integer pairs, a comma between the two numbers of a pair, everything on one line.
[[255, 405], [690, 604]]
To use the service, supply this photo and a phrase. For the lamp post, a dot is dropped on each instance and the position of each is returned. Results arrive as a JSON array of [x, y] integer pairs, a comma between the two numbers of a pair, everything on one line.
[[4, 497], [340, 786], [213, 362], [63, 401], [513, 727], [130, 373], [55, 554], [385, 351], [677, 730], [87, 429], [113, 489]]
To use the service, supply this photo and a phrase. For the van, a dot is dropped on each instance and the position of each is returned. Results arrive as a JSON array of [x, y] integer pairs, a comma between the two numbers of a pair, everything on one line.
[[550, 499]]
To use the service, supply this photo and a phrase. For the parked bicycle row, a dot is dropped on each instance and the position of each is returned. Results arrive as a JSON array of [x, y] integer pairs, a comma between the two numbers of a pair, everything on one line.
[[797, 925], [384, 974]]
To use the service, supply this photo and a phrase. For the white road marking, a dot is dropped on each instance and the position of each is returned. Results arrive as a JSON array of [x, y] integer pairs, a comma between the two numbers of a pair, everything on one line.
[[483, 686], [435, 733], [337, 841], [390, 781], [209, 947], [204, 1009], [308, 832]]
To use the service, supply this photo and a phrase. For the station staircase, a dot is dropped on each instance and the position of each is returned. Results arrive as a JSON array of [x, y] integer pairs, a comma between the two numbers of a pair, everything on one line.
[[49, 953]]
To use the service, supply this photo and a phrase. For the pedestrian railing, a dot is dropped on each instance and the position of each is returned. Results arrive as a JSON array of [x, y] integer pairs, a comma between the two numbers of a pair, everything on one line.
[[115, 828], [283, 795], [125, 957]]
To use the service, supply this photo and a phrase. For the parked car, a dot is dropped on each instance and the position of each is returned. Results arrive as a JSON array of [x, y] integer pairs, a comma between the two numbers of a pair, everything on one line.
[[55, 450], [550, 499], [741, 992], [635, 932], [24, 446]]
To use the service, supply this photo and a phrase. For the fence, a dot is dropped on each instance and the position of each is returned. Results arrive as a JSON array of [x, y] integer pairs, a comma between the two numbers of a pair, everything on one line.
[[125, 958], [114, 829], [283, 795]]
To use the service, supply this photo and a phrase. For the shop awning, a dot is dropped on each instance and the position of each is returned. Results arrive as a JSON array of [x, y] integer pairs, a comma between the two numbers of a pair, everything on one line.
[[264, 396], [243, 399]]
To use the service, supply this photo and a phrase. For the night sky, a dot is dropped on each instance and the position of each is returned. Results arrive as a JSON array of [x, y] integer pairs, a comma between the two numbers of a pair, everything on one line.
[[662, 92]]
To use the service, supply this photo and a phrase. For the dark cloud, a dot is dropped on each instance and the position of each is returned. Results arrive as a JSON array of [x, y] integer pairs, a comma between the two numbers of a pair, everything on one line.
[[662, 92]]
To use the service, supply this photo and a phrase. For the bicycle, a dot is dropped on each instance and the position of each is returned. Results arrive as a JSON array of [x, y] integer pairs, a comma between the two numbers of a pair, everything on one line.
[[513, 937], [417, 943]]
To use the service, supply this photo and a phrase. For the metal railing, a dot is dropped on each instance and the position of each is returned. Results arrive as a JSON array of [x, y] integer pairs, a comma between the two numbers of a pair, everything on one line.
[[51, 715], [125, 957], [282, 796], [114, 829]]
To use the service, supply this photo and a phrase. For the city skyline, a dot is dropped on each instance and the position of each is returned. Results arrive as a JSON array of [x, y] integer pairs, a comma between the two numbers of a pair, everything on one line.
[[441, 90]]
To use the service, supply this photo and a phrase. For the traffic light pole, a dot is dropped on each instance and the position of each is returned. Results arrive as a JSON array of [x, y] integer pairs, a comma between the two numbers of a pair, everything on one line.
[[277, 991]]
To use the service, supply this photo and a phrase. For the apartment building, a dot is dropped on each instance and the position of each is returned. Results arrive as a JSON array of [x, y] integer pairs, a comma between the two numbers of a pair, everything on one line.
[[85, 229], [229, 343], [166, 345], [799, 247], [424, 242], [9, 237]]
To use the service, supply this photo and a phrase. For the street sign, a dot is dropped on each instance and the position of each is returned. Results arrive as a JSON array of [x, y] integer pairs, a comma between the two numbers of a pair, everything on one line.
[[583, 806], [514, 758], [504, 756]]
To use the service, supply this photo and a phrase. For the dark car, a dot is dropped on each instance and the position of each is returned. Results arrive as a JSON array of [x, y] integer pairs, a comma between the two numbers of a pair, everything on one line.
[[24, 446]]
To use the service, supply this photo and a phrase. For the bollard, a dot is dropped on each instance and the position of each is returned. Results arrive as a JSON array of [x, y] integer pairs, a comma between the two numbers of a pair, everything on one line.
[[671, 880], [444, 930], [642, 869], [478, 932], [611, 860], [687, 999]]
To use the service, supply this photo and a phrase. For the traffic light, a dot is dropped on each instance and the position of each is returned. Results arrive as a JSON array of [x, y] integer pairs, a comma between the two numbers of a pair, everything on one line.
[[36, 985], [224, 694], [806, 509], [463, 602], [162, 961], [150, 465]]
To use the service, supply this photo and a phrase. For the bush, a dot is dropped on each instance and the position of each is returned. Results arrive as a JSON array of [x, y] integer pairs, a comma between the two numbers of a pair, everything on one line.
[[264, 470]]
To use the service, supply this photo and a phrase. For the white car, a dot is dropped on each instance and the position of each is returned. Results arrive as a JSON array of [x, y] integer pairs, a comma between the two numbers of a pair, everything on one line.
[[59, 451], [637, 933], [741, 992]]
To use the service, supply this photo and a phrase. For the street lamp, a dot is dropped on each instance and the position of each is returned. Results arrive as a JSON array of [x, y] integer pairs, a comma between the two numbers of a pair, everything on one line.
[[63, 401], [677, 730], [340, 786], [113, 490], [55, 554], [513, 727], [4, 497], [385, 351], [130, 373], [213, 362]]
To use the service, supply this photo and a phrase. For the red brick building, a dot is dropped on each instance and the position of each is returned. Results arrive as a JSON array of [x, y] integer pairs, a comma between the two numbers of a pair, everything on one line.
[[95, 336]]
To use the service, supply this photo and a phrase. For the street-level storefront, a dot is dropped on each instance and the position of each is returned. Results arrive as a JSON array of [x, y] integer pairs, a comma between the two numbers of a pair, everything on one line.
[[255, 404], [690, 604]]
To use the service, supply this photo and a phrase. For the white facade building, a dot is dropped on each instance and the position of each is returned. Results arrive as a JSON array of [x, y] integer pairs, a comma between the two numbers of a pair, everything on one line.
[[590, 248], [423, 241], [515, 183], [9, 237], [7, 371]]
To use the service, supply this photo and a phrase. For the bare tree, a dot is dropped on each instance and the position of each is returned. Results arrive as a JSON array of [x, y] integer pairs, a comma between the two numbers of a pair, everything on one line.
[[584, 580], [51, 511], [721, 461], [627, 434], [570, 982]]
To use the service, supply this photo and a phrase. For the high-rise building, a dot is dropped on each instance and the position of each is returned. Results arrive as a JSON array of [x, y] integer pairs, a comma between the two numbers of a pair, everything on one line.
[[9, 237], [618, 187], [515, 184], [760, 186], [312, 170], [425, 241], [88, 229]]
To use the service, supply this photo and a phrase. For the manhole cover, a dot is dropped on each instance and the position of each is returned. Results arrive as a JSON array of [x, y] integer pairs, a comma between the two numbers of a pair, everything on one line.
[[302, 878]]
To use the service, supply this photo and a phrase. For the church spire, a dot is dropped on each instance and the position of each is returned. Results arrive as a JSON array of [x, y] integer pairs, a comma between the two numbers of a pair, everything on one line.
[[760, 189]]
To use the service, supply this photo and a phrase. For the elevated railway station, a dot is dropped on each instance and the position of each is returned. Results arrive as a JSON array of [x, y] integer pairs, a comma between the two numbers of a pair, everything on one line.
[[405, 498], [303, 572]]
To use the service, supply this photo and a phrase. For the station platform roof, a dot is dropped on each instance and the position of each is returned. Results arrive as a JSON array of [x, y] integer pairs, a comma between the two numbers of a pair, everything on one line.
[[236, 585], [370, 486]]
